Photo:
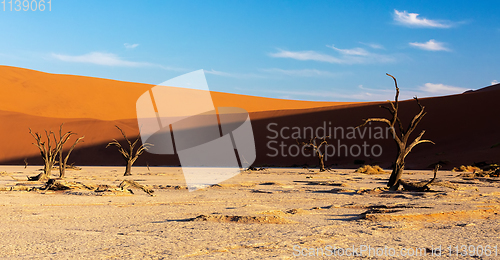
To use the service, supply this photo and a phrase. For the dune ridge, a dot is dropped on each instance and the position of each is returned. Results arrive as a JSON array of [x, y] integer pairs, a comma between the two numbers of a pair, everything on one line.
[[464, 126], [69, 96]]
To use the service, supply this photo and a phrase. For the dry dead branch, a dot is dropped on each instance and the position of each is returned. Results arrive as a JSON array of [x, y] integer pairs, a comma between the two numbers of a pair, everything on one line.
[[401, 137], [129, 183], [63, 138], [420, 186], [128, 152], [50, 149], [316, 143]]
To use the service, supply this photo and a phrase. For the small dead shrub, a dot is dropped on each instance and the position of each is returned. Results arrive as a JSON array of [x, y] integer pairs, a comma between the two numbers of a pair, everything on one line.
[[368, 169], [466, 168]]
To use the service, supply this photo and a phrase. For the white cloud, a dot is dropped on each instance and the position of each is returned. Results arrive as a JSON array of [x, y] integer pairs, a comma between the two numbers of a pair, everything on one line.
[[427, 90], [324, 95], [130, 46], [373, 45], [347, 56], [431, 45], [330, 95], [372, 94], [412, 20], [110, 59], [360, 55], [441, 89], [494, 82], [276, 72], [100, 58], [233, 75], [302, 72], [306, 55], [218, 73], [354, 51]]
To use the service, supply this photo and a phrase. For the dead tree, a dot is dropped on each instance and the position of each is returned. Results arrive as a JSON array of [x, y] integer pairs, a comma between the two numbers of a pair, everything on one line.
[[401, 138], [420, 186], [126, 184], [316, 146], [50, 150], [63, 161], [128, 153]]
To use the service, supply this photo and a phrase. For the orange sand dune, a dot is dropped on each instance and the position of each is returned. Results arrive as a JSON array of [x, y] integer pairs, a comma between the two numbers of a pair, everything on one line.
[[464, 127], [17, 143], [67, 96]]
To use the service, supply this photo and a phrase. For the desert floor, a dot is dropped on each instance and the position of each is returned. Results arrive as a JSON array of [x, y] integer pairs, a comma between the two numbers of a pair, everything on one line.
[[274, 213]]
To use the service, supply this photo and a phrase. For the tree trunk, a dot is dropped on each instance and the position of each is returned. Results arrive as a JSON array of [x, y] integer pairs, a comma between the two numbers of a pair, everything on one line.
[[62, 166], [62, 170], [321, 162], [396, 174], [46, 171], [128, 169]]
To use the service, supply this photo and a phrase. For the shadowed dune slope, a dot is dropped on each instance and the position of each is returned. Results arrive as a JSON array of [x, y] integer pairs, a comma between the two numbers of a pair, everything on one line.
[[464, 127]]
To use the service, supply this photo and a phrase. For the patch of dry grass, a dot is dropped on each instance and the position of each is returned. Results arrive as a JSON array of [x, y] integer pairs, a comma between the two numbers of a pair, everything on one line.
[[368, 169], [466, 168], [242, 219]]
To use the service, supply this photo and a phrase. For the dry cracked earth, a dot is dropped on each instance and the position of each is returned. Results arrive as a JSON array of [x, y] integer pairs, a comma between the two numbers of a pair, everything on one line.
[[274, 213]]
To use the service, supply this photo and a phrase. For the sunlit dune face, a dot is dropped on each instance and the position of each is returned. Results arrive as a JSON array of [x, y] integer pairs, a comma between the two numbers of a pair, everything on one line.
[[67, 96]]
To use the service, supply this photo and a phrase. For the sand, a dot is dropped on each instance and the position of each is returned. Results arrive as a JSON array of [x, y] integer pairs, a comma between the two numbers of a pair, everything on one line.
[[69, 96], [463, 127], [274, 213]]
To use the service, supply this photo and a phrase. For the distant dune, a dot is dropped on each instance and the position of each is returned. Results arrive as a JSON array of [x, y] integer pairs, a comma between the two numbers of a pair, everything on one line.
[[464, 127], [68, 96]]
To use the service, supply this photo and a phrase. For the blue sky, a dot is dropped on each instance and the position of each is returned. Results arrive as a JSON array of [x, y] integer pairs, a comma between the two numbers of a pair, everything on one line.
[[309, 50]]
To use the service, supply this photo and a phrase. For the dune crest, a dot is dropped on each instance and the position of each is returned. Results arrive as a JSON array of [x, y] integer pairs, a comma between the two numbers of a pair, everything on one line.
[[68, 96]]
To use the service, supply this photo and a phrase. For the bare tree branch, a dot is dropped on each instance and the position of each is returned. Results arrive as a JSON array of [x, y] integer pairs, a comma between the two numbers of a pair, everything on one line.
[[128, 153], [402, 142], [316, 148], [50, 150]]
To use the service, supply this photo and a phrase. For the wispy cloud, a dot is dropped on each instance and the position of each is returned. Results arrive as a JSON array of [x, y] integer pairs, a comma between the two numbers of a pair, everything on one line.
[[323, 95], [218, 73], [378, 95], [427, 90], [130, 46], [413, 20], [276, 72], [360, 55], [109, 59], [494, 82], [303, 72], [306, 55], [431, 45], [440, 89], [348, 52], [373, 45], [372, 94], [346, 56], [100, 58], [234, 74]]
